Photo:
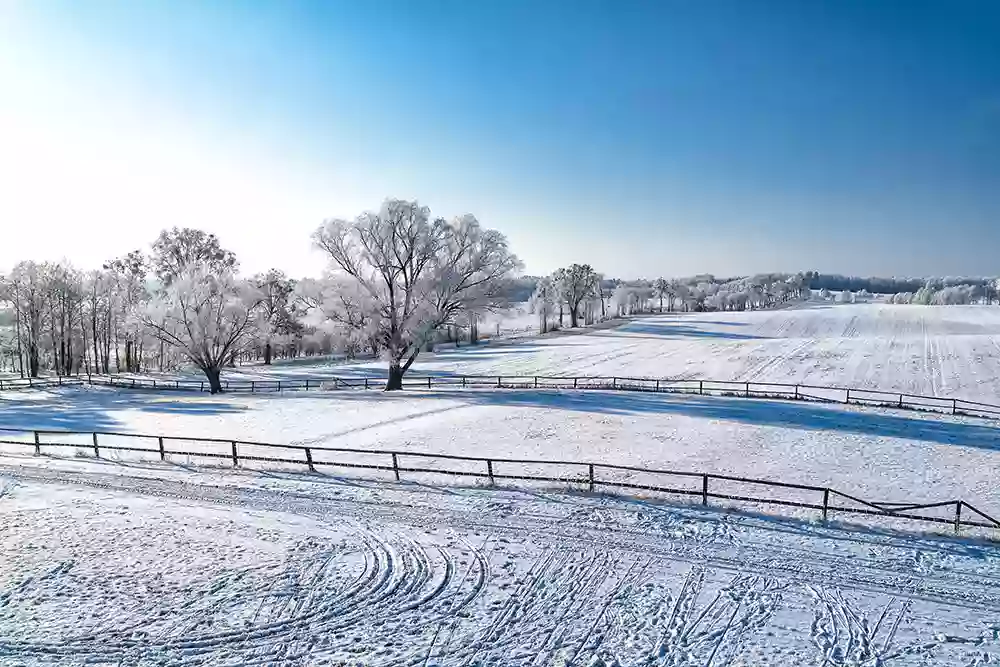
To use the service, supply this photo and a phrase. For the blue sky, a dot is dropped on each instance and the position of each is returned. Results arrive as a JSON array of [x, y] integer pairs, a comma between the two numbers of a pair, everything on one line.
[[646, 138]]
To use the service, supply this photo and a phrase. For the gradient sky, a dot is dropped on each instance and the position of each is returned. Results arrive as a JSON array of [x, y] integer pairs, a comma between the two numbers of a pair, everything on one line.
[[646, 138]]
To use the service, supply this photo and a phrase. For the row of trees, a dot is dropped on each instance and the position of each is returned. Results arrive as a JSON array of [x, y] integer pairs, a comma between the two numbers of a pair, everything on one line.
[[398, 281], [397, 278], [986, 287], [581, 293]]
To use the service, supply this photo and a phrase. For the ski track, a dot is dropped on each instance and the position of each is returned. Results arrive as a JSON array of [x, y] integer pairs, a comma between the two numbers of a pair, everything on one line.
[[409, 577]]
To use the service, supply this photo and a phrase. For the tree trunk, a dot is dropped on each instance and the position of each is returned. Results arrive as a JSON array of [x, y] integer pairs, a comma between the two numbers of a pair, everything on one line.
[[572, 318], [214, 384], [267, 354], [395, 380]]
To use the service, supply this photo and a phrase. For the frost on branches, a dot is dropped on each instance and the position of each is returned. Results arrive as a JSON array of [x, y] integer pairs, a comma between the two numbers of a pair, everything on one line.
[[208, 317], [414, 276]]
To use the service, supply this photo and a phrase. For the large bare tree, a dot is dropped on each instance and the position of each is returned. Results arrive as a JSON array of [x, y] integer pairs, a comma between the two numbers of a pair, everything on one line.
[[209, 318], [421, 275]]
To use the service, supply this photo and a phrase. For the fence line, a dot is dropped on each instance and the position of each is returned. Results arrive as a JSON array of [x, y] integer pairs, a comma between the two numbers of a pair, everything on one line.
[[594, 476], [744, 389]]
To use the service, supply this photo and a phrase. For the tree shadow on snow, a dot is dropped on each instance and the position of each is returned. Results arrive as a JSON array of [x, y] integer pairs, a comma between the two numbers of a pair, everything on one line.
[[92, 409], [676, 330], [878, 422]]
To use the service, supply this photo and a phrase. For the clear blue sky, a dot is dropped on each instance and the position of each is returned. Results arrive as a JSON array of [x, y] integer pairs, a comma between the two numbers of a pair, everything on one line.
[[646, 138]]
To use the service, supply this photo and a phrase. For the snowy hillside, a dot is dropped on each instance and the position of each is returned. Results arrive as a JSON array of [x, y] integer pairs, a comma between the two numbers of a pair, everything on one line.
[[114, 566]]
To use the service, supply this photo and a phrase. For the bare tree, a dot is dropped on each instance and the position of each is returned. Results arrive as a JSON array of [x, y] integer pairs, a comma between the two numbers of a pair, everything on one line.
[[575, 283], [127, 278], [420, 275], [174, 249], [543, 302], [274, 314], [661, 290], [208, 318]]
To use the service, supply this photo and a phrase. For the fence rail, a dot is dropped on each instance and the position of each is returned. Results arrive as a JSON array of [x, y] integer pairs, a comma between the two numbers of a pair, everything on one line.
[[594, 476], [801, 392]]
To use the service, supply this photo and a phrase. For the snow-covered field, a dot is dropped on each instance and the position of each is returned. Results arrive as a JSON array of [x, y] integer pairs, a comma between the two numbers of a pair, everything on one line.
[[930, 350], [953, 350], [137, 562], [875, 453], [110, 565]]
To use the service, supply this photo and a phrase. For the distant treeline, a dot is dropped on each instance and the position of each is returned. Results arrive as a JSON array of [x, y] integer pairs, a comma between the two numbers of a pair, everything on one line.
[[837, 283]]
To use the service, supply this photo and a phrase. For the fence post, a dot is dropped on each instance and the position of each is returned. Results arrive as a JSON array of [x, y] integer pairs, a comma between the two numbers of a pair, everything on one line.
[[307, 384], [574, 383], [463, 381], [236, 461], [154, 384], [252, 383], [428, 381], [796, 392], [657, 385], [163, 452], [826, 502], [954, 406], [704, 489], [536, 382], [38, 445], [498, 381], [614, 383], [309, 460], [748, 390], [60, 380], [958, 516], [97, 453], [202, 388], [489, 469], [395, 466], [133, 383], [701, 386], [279, 386], [900, 401], [590, 475], [848, 399], [366, 383]]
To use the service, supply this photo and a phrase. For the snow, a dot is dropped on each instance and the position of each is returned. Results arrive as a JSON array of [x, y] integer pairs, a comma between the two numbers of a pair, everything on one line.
[[112, 565], [950, 351], [129, 561], [873, 453], [946, 350]]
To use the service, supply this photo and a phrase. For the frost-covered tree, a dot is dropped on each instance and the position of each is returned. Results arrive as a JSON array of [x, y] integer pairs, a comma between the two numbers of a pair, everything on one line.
[[575, 283], [543, 302], [177, 248], [275, 316], [344, 311], [421, 275], [661, 291], [209, 318], [125, 279]]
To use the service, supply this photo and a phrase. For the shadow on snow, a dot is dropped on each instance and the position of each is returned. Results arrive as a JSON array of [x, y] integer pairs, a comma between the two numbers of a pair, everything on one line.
[[876, 422]]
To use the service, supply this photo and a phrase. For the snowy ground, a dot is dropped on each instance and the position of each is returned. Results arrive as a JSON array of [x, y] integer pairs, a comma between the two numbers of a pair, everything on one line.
[[874, 453], [111, 565], [931, 350], [952, 350]]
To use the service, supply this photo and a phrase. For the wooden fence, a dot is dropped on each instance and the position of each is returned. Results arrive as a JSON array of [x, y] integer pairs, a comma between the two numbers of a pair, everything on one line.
[[592, 476], [801, 392]]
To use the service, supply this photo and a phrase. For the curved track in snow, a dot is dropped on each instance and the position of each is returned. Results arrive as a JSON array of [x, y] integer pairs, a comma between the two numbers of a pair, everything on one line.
[[321, 573]]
